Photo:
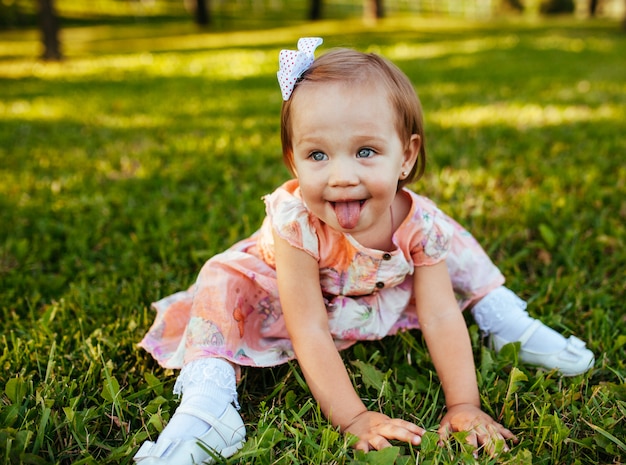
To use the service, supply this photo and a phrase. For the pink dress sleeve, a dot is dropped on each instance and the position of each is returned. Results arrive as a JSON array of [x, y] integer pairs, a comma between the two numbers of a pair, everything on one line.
[[289, 217], [428, 234]]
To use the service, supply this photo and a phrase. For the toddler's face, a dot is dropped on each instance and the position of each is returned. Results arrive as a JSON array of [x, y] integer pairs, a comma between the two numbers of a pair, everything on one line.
[[348, 155]]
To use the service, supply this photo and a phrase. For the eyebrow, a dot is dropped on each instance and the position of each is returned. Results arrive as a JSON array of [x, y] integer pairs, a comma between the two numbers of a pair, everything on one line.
[[359, 139]]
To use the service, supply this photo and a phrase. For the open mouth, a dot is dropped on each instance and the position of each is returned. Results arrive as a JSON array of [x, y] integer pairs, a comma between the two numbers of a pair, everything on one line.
[[360, 202]]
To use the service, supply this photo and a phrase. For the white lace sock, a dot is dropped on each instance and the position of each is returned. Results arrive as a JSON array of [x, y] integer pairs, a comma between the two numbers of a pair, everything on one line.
[[503, 313], [207, 385]]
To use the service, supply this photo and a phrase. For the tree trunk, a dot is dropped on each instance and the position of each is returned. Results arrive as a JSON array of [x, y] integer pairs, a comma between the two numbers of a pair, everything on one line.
[[203, 13], [373, 9], [315, 13], [593, 7], [49, 24]]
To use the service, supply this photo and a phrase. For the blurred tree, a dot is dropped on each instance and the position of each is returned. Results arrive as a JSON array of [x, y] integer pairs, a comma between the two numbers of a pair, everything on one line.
[[315, 12], [514, 5], [10, 14], [203, 12], [557, 6], [49, 24], [373, 9], [593, 7]]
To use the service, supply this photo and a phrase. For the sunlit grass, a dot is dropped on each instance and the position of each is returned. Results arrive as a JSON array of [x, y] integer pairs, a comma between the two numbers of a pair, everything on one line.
[[522, 116]]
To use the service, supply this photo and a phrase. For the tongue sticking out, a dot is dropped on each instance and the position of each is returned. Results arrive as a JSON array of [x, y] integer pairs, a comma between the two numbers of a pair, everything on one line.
[[348, 213]]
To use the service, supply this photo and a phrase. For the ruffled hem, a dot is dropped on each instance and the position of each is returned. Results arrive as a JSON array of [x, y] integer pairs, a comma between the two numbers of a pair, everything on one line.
[[207, 374]]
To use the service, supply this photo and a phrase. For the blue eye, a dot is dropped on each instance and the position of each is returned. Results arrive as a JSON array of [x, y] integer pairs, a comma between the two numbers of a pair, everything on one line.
[[318, 156], [365, 153]]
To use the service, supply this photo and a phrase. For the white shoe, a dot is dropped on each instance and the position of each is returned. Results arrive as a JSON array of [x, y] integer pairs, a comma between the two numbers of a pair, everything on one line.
[[574, 359], [225, 437]]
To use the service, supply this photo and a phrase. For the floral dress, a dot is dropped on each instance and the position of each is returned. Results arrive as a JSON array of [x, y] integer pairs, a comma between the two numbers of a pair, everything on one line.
[[233, 310]]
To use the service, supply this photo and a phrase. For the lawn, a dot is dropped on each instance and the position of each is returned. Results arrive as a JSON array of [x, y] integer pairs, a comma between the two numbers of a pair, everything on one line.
[[148, 150]]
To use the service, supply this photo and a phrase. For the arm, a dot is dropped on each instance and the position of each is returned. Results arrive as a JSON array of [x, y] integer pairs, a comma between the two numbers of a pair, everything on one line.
[[446, 335], [307, 324], [450, 348]]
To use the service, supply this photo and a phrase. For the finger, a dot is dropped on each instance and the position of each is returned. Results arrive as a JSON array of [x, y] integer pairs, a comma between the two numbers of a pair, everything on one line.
[[472, 440], [379, 442], [507, 434], [412, 427], [444, 432], [493, 447], [401, 430], [362, 445], [486, 434], [492, 439]]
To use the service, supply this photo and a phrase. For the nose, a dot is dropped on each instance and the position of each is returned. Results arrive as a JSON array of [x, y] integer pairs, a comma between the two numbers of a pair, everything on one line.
[[343, 172]]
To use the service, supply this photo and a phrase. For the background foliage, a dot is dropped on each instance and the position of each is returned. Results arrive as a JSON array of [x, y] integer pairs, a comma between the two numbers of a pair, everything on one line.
[[20, 13], [123, 169]]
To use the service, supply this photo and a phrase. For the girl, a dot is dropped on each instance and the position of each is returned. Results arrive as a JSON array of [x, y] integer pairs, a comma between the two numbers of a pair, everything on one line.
[[346, 253]]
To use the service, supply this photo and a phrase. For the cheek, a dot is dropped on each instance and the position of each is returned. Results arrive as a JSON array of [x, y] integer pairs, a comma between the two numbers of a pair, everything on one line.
[[308, 191], [384, 186], [307, 177], [312, 194]]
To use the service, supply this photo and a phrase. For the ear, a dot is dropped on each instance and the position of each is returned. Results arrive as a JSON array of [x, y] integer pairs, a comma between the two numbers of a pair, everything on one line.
[[411, 152]]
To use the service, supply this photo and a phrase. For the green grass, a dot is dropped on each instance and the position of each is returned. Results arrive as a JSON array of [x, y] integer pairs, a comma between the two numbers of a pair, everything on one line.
[[125, 168]]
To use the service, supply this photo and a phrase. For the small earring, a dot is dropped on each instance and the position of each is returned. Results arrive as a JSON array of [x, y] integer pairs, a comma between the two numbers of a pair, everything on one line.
[[404, 173]]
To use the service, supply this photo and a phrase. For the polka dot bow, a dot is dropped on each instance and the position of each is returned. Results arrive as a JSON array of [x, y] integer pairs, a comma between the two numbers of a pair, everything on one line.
[[293, 63]]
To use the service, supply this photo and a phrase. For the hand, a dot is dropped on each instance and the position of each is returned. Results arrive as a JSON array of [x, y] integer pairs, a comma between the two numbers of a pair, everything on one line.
[[482, 429], [374, 430]]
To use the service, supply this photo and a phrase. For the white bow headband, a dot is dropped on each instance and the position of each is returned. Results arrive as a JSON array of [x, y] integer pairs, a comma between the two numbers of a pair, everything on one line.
[[295, 62]]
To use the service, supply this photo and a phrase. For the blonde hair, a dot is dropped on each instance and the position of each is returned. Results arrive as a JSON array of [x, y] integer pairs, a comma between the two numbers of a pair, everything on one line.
[[351, 66]]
